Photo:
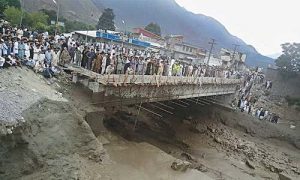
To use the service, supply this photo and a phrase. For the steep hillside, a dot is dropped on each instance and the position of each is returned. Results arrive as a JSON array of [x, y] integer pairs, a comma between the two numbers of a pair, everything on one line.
[[80, 10], [173, 19], [197, 28]]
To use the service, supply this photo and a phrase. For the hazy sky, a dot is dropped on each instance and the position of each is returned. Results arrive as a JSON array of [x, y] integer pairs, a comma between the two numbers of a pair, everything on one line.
[[265, 24]]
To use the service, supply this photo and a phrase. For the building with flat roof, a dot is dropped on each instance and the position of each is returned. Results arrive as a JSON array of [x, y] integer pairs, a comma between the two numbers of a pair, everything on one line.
[[147, 36], [109, 37], [183, 51], [233, 59]]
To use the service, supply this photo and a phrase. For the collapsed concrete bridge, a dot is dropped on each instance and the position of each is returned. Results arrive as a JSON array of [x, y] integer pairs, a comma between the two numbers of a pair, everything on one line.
[[136, 89]]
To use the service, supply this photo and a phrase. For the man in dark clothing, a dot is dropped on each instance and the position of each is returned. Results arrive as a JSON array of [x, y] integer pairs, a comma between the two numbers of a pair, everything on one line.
[[72, 52], [91, 56], [275, 119], [84, 57], [249, 110]]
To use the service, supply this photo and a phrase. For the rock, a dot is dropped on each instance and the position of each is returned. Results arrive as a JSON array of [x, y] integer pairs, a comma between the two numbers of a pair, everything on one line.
[[103, 140], [9, 131], [292, 126], [194, 130], [189, 118], [179, 165], [201, 168], [217, 140], [284, 176], [22, 119], [274, 167], [188, 157], [250, 164], [241, 145], [2, 89], [211, 129], [202, 129]]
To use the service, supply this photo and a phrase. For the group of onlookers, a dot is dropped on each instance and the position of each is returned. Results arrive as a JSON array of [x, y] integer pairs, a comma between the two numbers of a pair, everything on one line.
[[247, 103], [46, 54], [106, 58]]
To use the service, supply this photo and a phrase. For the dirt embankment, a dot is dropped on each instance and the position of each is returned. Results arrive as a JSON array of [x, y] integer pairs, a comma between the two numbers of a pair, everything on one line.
[[54, 143], [42, 135], [257, 128]]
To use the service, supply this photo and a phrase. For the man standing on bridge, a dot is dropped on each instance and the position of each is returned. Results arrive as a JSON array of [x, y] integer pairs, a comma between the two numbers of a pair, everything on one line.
[[91, 56], [97, 63]]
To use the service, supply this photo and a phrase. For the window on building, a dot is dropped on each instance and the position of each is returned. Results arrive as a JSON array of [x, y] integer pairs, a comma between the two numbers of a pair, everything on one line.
[[191, 49]]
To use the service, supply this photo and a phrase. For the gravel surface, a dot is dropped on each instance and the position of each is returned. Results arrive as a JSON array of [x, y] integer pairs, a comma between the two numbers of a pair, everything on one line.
[[19, 89]]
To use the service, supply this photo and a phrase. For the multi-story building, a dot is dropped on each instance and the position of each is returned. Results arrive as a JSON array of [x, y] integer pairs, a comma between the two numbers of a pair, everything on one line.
[[184, 51], [232, 58], [147, 36]]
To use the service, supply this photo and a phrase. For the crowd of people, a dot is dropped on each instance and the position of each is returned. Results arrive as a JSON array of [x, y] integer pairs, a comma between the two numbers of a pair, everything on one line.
[[246, 102], [113, 59], [39, 51], [46, 54]]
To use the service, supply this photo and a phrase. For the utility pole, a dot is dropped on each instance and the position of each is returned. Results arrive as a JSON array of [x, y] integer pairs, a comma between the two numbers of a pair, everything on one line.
[[22, 13], [234, 51], [211, 48], [233, 55], [57, 15]]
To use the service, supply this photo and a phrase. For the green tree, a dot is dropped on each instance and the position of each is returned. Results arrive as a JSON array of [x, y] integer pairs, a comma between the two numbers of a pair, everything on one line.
[[106, 21], [13, 15], [76, 25], [289, 61], [38, 20], [15, 3], [51, 14], [154, 28], [3, 6], [6, 3]]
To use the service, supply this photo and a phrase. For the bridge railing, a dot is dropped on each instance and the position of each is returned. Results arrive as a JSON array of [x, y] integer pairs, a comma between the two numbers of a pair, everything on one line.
[[122, 79]]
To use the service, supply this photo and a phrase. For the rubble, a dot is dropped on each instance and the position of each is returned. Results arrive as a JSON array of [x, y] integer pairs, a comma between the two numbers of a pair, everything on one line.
[[212, 130], [217, 140], [250, 164], [284, 176], [202, 129], [188, 157], [180, 165]]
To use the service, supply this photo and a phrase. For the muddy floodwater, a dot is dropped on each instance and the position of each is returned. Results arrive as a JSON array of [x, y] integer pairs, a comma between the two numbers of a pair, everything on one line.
[[217, 150], [135, 161]]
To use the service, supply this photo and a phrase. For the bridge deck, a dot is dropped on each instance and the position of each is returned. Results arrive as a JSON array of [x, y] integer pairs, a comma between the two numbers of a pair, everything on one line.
[[124, 80], [151, 88]]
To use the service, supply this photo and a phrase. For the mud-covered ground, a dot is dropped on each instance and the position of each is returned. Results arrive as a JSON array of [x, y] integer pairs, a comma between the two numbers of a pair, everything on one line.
[[63, 136]]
